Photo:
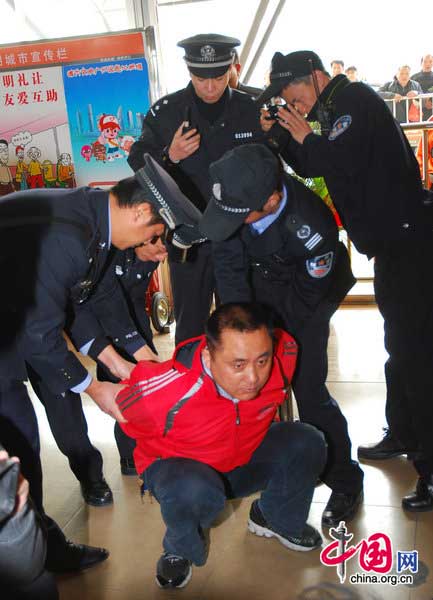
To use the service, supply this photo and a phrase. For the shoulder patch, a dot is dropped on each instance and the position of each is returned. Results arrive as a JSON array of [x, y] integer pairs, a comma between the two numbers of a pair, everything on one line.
[[319, 266], [309, 237], [341, 125]]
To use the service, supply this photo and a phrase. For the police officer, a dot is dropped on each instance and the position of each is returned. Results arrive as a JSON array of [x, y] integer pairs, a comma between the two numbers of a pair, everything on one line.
[[65, 237], [287, 255], [96, 324], [235, 78], [374, 181], [186, 131], [65, 412]]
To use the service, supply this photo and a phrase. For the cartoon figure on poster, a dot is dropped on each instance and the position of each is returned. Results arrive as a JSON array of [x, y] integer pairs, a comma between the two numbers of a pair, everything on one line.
[[6, 181], [106, 104], [65, 171], [109, 127], [48, 174], [35, 178], [21, 170], [86, 152]]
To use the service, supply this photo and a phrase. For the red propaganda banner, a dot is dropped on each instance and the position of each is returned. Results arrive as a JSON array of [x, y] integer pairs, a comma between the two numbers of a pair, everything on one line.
[[71, 50]]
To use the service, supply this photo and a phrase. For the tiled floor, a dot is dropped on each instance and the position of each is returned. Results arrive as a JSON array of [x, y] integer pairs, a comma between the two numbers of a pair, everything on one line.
[[242, 566]]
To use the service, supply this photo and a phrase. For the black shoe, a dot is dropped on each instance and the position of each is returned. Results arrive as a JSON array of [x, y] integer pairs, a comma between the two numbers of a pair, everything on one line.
[[309, 539], [68, 556], [96, 493], [388, 447], [127, 466], [173, 571], [341, 507], [422, 498]]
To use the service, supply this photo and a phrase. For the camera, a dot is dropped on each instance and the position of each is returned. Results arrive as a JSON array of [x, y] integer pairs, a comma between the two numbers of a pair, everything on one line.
[[273, 112]]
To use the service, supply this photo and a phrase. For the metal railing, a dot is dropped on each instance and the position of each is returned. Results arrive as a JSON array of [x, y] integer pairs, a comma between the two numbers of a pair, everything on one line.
[[423, 103], [425, 128]]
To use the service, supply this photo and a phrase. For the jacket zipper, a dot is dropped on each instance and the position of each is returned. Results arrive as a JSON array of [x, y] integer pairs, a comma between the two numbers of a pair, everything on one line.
[[238, 417]]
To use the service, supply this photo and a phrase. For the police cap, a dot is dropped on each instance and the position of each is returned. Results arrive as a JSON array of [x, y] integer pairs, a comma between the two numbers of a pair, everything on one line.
[[243, 180], [284, 69], [209, 55], [160, 190]]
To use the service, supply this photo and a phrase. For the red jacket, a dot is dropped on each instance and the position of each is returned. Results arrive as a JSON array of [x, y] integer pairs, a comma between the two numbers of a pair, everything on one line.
[[174, 409]]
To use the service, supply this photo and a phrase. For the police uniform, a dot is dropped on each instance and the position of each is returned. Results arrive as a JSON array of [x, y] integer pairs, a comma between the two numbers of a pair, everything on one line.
[[70, 255], [236, 123], [300, 270], [54, 249], [374, 181], [97, 322]]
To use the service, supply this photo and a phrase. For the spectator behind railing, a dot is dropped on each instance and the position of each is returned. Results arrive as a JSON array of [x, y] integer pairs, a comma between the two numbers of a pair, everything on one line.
[[337, 68], [352, 74], [425, 79], [400, 88]]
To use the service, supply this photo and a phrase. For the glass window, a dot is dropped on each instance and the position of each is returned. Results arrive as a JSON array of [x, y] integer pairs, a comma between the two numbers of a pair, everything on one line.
[[45, 19]]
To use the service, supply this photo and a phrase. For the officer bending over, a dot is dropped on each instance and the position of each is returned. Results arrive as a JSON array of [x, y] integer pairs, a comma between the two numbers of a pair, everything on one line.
[[281, 248], [53, 249], [185, 132], [96, 324], [203, 422], [373, 178]]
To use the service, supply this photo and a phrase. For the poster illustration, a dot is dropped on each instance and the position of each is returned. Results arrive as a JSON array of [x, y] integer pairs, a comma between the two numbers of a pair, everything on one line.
[[70, 110], [106, 104], [35, 145]]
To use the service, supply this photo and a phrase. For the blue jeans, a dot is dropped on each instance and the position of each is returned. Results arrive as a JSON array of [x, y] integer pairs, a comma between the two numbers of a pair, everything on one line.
[[191, 494]]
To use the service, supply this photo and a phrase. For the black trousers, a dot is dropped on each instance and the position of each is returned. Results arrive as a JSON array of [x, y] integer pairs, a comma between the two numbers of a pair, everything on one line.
[[315, 404], [193, 286], [69, 428], [19, 434], [404, 294], [20, 437]]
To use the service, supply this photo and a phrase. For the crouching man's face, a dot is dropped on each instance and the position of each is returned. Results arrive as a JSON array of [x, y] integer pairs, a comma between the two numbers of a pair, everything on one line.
[[241, 362]]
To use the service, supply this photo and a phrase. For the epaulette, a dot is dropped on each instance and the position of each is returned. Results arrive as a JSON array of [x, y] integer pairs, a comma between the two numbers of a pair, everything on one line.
[[166, 101]]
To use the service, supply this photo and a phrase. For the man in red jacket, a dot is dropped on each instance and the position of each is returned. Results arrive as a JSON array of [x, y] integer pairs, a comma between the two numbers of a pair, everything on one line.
[[203, 422]]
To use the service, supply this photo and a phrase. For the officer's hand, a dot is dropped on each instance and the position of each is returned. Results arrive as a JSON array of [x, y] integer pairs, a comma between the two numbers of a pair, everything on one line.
[[117, 365], [183, 145], [265, 123], [412, 94], [294, 122], [145, 353], [104, 393], [398, 98]]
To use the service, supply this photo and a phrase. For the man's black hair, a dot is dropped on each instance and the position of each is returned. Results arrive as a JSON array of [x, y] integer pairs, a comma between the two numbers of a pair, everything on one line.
[[337, 62], [128, 193], [4, 142], [239, 316]]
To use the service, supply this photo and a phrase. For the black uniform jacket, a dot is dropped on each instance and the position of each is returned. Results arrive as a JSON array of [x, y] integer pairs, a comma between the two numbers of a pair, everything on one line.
[[102, 318], [54, 248], [299, 252], [239, 124], [368, 165]]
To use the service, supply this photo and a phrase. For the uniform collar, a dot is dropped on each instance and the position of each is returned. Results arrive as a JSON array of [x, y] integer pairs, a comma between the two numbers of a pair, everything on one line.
[[327, 94], [258, 227]]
